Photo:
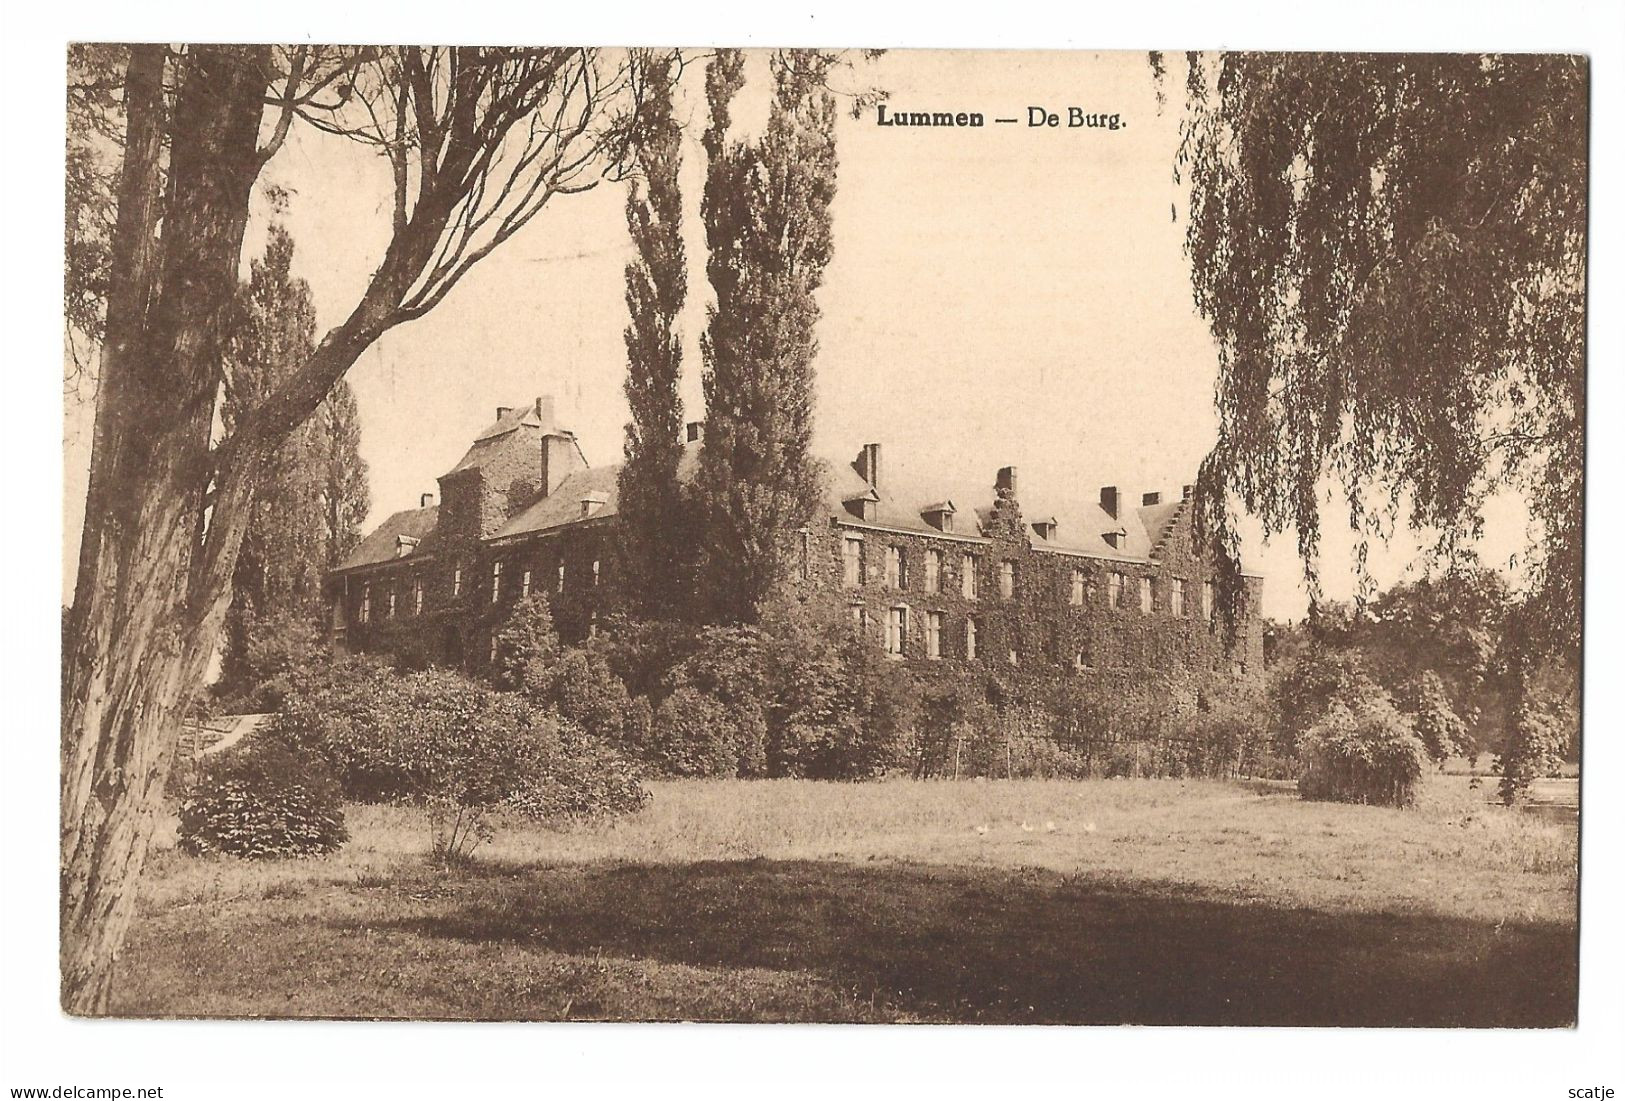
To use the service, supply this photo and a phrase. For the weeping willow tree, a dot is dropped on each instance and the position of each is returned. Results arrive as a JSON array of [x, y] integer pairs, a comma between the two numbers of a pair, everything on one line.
[[1390, 251]]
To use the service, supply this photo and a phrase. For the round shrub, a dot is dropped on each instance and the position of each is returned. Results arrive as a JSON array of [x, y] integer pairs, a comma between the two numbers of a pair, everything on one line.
[[456, 746], [1368, 754], [695, 736], [263, 800]]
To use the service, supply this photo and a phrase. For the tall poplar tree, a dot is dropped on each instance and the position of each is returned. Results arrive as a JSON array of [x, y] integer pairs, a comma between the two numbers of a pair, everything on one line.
[[313, 494], [656, 552], [767, 223]]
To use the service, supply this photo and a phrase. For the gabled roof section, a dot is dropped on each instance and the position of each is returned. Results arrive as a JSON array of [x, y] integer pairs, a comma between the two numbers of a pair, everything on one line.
[[906, 496], [380, 545], [537, 414], [563, 505], [536, 419], [1158, 521], [599, 485]]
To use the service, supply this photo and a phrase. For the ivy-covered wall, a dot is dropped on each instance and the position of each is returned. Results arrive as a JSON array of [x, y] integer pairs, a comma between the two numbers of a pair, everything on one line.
[[1046, 628]]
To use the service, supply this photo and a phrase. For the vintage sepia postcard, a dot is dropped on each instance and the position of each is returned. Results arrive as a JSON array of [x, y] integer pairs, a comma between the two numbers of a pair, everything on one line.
[[827, 536]]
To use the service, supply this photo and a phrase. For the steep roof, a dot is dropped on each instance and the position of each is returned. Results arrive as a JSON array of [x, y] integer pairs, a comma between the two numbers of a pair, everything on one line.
[[904, 497], [380, 545], [537, 415], [563, 505]]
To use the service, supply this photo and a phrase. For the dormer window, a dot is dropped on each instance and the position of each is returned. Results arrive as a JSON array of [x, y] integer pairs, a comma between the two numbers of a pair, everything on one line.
[[1114, 539], [940, 515], [865, 506], [1045, 528], [592, 504], [405, 544]]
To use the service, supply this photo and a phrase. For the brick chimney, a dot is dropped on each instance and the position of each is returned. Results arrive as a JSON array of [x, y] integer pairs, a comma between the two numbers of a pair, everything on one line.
[[1005, 481], [503, 411], [425, 500], [869, 464], [544, 410], [1108, 501]]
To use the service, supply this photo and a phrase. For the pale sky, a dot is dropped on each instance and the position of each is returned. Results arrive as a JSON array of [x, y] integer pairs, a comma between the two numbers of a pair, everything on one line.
[[1003, 295]]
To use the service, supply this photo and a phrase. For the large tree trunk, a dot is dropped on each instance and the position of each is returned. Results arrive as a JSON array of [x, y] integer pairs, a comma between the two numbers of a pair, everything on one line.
[[147, 605]]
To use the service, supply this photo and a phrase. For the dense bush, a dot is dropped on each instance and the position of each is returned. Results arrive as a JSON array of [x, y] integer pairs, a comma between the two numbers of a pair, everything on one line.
[[268, 654], [1427, 703], [262, 799], [525, 641], [696, 736], [580, 686], [1534, 749], [1362, 751], [456, 746]]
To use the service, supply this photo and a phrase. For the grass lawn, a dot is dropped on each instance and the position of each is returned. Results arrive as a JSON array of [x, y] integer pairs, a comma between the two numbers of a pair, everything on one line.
[[1156, 902]]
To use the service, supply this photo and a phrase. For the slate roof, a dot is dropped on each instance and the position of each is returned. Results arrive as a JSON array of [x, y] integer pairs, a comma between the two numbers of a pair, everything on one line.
[[905, 496], [903, 499], [379, 545]]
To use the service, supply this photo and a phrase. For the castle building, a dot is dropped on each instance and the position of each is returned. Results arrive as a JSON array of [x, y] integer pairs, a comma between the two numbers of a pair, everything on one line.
[[1107, 586]]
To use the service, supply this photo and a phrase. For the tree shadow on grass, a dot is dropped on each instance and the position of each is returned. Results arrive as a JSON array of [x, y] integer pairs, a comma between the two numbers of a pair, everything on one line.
[[951, 943]]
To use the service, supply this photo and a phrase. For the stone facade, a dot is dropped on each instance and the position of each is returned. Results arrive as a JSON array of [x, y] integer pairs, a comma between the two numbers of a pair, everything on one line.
[[1112, 591]]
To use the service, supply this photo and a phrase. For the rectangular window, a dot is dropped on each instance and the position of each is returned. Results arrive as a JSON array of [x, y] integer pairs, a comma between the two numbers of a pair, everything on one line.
[[894, 567], [457, 581], [806, 554], [524, 585], [560, 581], [496, 581], [1077, 584], [970, 640], [417, 597], [1207, 600], [933, 635], [596, 572], [366, 603], [389, 608], [860, 620], [492, 657], [1176, 597], [1007, 580], [852, 560], [1145, 595], [1084, 659], [1114, 590], [967, 577], [896, 630], [933, 571]]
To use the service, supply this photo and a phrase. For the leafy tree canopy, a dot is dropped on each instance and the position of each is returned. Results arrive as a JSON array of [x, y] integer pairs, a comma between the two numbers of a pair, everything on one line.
[[1390, 251]]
